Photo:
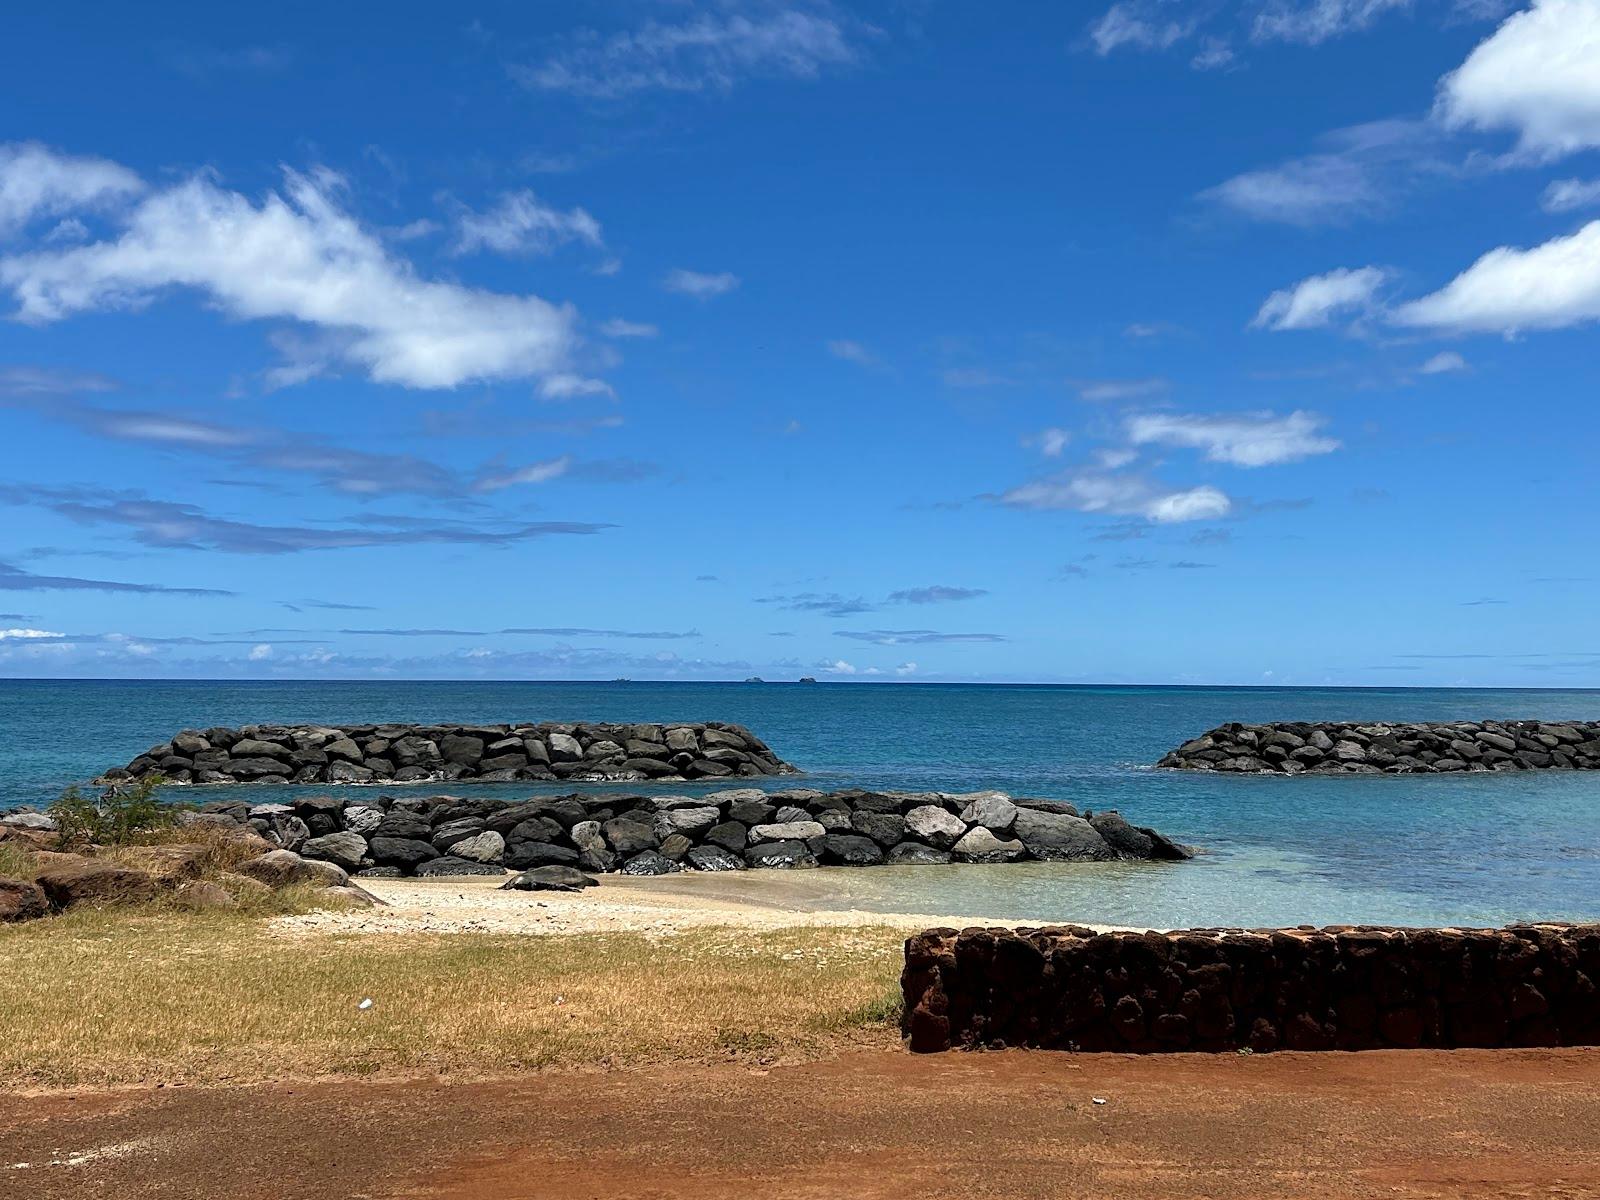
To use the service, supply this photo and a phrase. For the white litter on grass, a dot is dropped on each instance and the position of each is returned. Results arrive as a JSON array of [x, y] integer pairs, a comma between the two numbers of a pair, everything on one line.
[[365, 1004], [1099, 1099]]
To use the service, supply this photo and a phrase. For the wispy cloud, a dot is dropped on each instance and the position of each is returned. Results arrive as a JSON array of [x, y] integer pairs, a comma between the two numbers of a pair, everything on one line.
[[1255, 439], [1111, 391], [521, 223], [1360, 172], [853, 352], [698, 284], [935, 594], [1570, 195], [829, 603], [1094, 491], [15, 579], [707, 52], [618, 328], [914, 637], [1315, 302], [172, 525]]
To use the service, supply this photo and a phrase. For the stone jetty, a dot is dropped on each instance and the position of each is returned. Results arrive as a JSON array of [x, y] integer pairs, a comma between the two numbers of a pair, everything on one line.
[[382, 754], [728, 830], [1370, 748]]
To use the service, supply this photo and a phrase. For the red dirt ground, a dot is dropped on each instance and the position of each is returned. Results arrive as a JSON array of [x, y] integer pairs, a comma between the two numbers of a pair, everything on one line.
[[872, 1124]]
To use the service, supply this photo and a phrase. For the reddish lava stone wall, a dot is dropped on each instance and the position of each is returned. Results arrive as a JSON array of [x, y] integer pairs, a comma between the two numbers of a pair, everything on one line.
[[1339, 988]]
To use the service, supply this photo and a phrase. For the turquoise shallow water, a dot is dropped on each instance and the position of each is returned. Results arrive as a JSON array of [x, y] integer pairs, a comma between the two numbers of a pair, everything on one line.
[[1480, 849]]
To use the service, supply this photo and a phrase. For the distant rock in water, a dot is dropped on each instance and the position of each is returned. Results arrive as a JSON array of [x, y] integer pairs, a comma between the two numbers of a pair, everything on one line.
[[668, 753], [1371, 748]]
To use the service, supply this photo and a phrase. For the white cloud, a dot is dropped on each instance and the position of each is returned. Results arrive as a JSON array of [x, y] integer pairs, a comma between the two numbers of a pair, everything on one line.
[[1509, 290], [1538, 75], [1105, 391], [1443, 363], [1050, 442], [522, 224], [1142, 25], [840, 667], [1356, 173], [706, 53], [854, 352], [566, 386], [1313, 303], [1257, 439], [618, 328], [260, 653], [298, 257], [1115, 459], [1311, 22], [700, 286], [906, 668], [14, 635], [1095, 491], [539, 472], [36, 182], [1569, 195]]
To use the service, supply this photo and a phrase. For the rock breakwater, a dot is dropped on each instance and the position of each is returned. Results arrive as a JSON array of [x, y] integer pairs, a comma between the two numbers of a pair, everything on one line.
[[1369, 748], [1339, 988], [456, 753], [729, 830]]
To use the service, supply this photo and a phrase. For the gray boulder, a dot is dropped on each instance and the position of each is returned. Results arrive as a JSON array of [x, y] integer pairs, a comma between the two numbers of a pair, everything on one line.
[[783, 855], [1059, 838], [851, 850], [915, 854], [690, 822], [630, 837], [932, 824], [648, 862], [520, 856], [991, 810], [980, 845], [887, 829], [406, 853], [486, 847], [280, 868], [345, 849], [730, 835], [713, 858], [450, 864], [786, 831]]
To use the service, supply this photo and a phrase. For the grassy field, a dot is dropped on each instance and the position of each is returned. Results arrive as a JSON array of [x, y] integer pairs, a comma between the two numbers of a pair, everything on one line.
[[113, 997]]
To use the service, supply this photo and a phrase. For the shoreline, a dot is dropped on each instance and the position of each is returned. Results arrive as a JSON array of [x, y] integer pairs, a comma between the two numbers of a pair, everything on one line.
[[659, 906]]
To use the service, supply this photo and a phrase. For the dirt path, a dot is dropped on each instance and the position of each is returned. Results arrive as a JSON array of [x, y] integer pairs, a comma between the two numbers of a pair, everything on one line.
[[879, 1124]]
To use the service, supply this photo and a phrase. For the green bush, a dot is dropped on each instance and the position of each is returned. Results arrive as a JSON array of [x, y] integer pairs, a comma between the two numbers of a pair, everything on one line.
[[118, 818]]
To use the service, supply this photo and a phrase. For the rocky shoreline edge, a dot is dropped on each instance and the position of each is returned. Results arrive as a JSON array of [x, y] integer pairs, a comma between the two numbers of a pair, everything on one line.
[[407, 753], [1372, 748], [560, 839]]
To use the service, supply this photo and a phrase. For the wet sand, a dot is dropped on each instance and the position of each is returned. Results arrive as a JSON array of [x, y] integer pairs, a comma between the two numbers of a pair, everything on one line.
[[1407, 1124]]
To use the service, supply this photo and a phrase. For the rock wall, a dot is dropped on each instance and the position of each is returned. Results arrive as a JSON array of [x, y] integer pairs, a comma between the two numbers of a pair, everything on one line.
[[457, 753], [1347, 747], [1340, 988], [655, 835]]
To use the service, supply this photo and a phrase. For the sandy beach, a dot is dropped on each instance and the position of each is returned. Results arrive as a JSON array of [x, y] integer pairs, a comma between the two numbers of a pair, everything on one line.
[[658, 907]]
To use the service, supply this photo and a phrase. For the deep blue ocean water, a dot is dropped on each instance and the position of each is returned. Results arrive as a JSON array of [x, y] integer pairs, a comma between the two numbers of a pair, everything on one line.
[[1478, 849]]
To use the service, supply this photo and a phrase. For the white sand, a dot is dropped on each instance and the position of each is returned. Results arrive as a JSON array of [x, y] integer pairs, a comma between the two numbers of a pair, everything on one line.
[[656, 906]]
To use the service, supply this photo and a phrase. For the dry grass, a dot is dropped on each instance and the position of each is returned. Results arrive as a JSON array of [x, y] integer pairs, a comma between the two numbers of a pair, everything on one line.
[[104, 997]]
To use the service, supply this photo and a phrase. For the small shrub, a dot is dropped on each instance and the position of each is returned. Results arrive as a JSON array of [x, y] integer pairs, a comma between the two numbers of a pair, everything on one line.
[[119, 817]]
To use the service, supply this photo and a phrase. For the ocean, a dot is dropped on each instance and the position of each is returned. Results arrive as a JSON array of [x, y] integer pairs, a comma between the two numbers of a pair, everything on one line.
[[1480, 849]]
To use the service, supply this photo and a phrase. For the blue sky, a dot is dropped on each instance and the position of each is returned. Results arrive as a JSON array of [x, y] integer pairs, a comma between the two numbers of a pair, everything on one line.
[[1163, 342]]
